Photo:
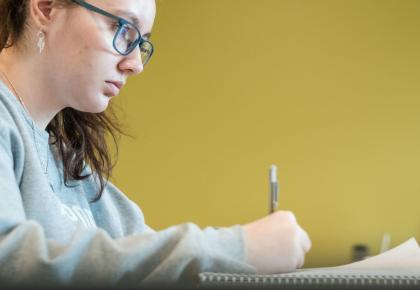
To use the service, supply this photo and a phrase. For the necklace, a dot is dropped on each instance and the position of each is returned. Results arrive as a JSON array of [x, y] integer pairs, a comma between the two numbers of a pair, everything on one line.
[[44, 166]]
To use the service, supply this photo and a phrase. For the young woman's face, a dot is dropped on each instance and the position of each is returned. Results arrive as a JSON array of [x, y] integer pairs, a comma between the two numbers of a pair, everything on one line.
[[82, 63]]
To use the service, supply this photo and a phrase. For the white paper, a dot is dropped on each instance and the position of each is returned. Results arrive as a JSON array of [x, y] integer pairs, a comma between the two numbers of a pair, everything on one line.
[[404, 256]]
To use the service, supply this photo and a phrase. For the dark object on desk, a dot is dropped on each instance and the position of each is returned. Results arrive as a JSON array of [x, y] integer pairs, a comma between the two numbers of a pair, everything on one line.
[[359, 252]]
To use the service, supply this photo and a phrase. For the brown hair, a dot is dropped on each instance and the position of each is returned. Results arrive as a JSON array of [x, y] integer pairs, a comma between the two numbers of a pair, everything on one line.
[[80, 137]]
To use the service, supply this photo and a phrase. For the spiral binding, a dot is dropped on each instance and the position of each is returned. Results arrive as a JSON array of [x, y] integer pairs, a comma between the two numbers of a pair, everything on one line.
[[310, 279]]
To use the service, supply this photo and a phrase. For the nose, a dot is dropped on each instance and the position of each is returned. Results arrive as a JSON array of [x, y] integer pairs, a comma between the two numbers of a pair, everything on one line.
[[131, 63]]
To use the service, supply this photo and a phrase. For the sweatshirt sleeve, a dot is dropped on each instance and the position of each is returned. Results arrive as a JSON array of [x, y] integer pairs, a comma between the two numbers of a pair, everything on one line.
[[173, 255], [92, 257]]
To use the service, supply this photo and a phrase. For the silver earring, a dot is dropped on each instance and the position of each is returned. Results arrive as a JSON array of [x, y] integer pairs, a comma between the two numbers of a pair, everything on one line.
[[41, 40]]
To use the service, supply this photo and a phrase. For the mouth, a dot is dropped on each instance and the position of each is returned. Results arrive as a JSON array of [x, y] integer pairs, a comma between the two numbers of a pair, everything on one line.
[[113, 88]]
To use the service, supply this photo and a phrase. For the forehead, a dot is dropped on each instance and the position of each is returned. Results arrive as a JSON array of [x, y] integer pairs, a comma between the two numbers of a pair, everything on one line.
[[140, 12]]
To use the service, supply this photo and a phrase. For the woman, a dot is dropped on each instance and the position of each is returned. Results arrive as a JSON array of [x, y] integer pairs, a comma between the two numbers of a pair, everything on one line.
[[61, 221]]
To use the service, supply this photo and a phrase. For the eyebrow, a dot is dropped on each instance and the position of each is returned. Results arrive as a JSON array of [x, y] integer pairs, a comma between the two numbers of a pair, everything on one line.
[[133, 19], [130, 15]]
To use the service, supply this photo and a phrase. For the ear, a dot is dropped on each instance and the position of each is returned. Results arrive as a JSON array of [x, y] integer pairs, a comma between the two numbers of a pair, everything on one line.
[[40, 12]]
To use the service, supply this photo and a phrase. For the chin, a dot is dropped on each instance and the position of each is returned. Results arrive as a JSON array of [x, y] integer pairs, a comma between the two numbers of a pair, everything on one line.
[[98, 105], [101, 109]]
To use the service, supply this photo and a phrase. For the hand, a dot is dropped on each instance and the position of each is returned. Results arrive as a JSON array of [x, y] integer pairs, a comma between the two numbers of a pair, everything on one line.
[[276, 243]]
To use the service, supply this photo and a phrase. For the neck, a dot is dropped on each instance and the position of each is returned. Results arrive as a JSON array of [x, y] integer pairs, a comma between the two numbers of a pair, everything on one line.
[[29, 78]]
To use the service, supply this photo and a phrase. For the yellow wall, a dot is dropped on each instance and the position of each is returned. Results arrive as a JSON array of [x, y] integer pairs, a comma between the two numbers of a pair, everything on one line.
[[327, 90]]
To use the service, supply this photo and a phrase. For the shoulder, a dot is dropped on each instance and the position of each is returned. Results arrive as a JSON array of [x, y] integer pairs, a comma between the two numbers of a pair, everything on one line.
[[9, 105], [112, 196], [10, 136], [114, 211], [10, 133]]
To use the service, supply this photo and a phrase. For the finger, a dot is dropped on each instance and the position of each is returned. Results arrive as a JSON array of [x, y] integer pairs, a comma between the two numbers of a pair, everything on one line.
[[300, 260], [288, 215], [305, 240]]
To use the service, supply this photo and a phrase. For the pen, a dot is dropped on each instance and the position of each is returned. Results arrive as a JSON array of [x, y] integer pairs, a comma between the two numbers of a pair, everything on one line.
[[274, 189]]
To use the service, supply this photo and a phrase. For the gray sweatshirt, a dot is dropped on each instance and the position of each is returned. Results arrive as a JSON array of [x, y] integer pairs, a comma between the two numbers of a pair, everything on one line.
[[51, 235]]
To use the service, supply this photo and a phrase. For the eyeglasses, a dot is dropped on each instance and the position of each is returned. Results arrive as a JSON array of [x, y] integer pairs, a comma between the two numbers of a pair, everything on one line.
[[127, 36]]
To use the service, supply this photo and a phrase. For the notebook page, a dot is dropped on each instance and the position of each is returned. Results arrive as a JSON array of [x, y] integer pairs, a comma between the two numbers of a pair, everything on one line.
[[403, 256], [397, 266]]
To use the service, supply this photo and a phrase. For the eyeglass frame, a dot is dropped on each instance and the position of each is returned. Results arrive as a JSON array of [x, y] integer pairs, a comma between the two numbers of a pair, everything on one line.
[[121, 21]]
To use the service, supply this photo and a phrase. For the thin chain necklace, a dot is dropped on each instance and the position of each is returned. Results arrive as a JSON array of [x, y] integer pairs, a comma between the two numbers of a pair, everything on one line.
[[32, 123]]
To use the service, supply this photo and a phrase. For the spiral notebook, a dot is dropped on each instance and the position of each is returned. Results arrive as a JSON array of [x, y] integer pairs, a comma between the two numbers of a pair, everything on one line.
[[396, 268]]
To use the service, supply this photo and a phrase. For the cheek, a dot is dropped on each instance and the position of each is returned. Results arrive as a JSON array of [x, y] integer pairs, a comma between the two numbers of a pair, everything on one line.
[[79, 54], [80, 58], [85, 90], [76, 38], [86, 82]]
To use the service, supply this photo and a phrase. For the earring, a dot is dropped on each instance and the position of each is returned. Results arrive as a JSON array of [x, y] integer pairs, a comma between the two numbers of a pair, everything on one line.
[[41, 40]]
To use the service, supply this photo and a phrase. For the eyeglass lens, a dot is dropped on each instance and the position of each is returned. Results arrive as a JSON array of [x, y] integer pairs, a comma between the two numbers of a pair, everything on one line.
[[125, 39]]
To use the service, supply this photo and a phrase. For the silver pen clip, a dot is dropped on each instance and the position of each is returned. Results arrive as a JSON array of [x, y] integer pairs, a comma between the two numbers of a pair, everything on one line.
[[274, 189]]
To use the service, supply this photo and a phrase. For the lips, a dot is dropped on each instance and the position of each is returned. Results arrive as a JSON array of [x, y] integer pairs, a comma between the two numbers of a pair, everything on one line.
[[116, 83], [113, 87]]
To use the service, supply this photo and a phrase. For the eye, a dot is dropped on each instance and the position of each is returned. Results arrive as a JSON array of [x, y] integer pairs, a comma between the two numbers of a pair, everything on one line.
[[115, 25], [129, 33]]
